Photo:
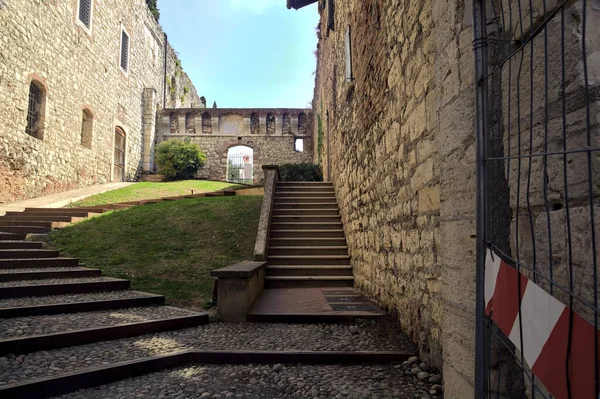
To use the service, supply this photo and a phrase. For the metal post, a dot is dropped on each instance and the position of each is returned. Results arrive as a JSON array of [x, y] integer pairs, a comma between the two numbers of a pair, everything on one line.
[[481, 100]]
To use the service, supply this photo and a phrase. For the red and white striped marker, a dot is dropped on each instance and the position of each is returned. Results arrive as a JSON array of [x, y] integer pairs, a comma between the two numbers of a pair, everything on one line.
[[545, 330]]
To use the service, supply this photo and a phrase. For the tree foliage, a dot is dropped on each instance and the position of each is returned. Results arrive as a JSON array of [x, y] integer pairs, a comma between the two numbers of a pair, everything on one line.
[[178, 160], [300, 172], [153, 8]]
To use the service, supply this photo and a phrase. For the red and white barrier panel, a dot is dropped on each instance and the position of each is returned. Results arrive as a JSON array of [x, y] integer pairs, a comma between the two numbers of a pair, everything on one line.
[[545, 330]]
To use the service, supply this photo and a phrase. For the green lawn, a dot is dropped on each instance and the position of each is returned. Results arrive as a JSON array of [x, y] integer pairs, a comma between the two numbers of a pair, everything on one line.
[[167, 248], [144, 191]]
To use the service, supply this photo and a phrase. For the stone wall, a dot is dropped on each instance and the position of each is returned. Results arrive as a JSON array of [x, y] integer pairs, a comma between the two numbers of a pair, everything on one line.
[[271, 133], [398, 141], [78, 68]]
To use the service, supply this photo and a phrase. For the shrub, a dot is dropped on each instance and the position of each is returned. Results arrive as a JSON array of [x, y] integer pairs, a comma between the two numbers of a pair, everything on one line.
[[300, 172], [178, 160]]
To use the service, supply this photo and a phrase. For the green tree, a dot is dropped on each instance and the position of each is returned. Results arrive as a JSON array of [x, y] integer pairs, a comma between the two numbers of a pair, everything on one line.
[[153, 8], [179, 160]]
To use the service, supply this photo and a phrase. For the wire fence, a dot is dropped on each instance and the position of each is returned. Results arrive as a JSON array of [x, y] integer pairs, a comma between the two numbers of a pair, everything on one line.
[[538, 91]]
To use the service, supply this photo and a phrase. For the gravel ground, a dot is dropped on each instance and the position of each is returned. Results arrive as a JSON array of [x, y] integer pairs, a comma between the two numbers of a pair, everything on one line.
[[266, 381], [71, 298], [36, 325], [23, 283], [216, 336], [44, 269]]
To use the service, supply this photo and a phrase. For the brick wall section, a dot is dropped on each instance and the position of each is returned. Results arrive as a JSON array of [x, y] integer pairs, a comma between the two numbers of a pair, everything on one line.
[[43, 40], [401, 148]]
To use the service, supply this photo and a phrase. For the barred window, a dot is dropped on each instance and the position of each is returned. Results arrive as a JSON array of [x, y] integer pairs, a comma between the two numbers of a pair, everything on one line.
[[35, 111], [349, 73], [85, 12], [124, 51]]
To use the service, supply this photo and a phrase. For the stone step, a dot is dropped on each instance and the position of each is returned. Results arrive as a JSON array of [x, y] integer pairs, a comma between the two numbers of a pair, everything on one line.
[[335, 233], [25, 288], [38, 223], [282, 199], [305, 189], [28, 253], [314, 260], [308, 281], [12, 236], [40, 333], [38, 263], [45, 218], [299, 241], [307, 250], [25, 229], [305, 183], [15, 244], [305, 205], [306, 226], [302, 270], [305, 218], [304, 194], [74, 303], [53, 212], [310, 212], [47, 273], [97, 209]]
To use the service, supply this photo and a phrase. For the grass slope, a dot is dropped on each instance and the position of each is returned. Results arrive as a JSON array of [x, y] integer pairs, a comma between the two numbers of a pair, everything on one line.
[[167, 248], [146, 190]]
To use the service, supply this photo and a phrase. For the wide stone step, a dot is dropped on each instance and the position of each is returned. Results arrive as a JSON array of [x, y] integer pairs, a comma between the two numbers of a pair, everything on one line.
[[305, 205], [97, 209], [47, 273], [305, 189], [304, 194], [315, 260], [18, 289], [299, 270], [291, 233], [310, 242], [28, 253], [306, 226], [73, 303], [282, 199], [14, 244], [37, 333], [305, 184], [25, 229], [38, 263], [45, 218], [308, 281], [12, 236], [308, 212], [55, 213], [39, 223], [305, 218], [306, 250]]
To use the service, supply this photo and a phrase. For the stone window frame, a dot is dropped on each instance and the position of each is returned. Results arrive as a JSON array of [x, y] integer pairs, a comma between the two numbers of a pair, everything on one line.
[[40, 124], [296, 140], [79, 22], [87, 127], [126, 33]]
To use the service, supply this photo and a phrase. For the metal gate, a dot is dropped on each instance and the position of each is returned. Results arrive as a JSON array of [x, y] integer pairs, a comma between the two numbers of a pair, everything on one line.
[[538, 195], [240, 168]]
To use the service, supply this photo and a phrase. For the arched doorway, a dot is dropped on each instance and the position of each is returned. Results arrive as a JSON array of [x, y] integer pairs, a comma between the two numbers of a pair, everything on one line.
[[240, 164], [119, 155]]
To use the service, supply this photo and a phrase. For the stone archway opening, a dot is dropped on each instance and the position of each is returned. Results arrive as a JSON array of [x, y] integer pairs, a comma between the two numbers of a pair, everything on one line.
[[240, 164]]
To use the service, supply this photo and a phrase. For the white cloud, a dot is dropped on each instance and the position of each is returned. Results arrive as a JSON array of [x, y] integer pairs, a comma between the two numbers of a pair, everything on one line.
[[256, 6]]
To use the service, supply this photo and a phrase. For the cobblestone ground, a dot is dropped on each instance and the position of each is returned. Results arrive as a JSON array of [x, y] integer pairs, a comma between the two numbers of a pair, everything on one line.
[[265, 381]]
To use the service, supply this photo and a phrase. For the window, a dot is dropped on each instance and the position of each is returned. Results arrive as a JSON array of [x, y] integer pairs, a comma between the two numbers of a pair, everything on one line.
[[84, 11], [119, 155], [299, 145], [349, 76], [35, 110], [124, 51], [87, 122], [330, 16]]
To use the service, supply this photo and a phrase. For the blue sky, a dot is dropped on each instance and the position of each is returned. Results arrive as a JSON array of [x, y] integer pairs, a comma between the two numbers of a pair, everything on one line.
[[245, 53]]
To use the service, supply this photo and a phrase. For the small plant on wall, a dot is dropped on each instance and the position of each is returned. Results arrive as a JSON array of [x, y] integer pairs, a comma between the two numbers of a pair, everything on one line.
[[179, 160]]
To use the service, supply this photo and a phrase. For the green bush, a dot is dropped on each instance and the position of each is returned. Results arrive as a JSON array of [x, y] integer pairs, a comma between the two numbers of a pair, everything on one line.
[[178, 160], [300, 172]]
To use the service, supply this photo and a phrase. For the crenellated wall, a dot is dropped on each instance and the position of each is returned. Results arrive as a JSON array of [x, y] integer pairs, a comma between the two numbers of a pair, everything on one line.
[[271, 133]]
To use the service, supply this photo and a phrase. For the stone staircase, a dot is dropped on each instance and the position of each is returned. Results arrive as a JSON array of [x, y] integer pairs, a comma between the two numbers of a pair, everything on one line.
[[37, 283], [307, 245]]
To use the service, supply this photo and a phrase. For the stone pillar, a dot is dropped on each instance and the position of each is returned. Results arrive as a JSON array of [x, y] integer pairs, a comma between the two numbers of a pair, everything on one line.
[[165, 126], [278, 125], [294, 121], [215, 125], [149, 126], [181, 121], [245, 131], [263, 125], [198, 122]]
